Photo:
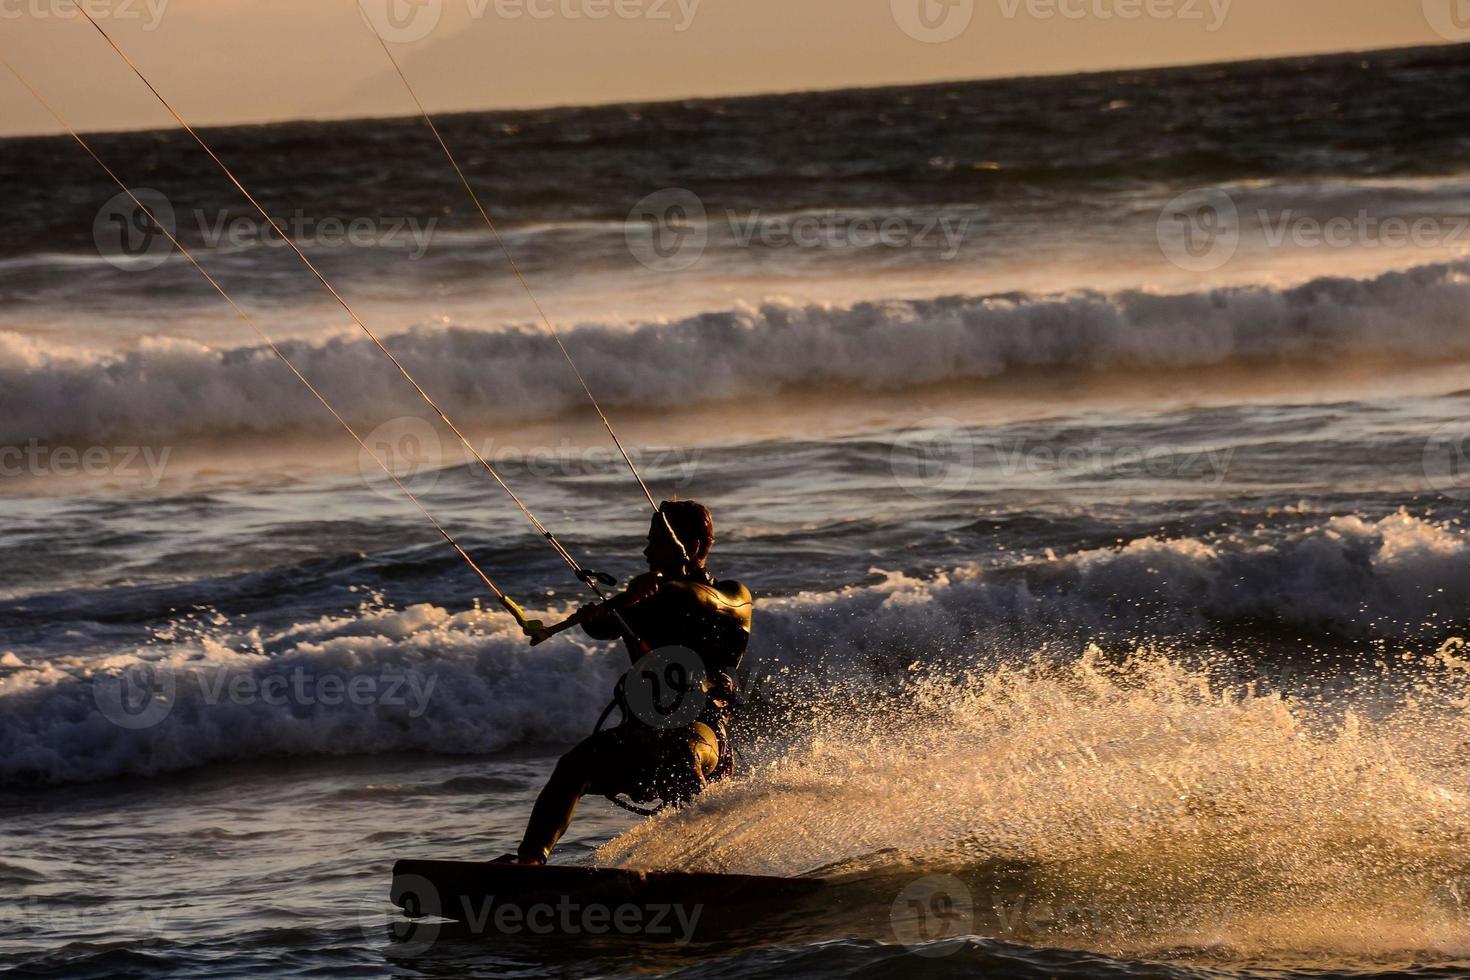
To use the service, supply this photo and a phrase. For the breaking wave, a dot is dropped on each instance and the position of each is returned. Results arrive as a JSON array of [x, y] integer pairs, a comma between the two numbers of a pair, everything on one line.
[[169, 388], [1399, 579], [430, 680], [425, 680]]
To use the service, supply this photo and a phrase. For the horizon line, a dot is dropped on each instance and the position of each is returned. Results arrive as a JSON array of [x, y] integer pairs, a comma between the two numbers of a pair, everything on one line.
[[750, 95]]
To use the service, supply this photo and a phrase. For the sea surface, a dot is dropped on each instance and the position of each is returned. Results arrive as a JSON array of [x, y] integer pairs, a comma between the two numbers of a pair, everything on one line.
[[1096, 448]]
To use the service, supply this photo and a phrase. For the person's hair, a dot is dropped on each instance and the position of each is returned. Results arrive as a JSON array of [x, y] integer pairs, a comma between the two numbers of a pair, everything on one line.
[[692, 523]]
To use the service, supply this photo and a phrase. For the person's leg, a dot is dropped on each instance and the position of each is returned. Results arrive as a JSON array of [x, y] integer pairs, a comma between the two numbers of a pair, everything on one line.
[[705, 747], [688, 764], [628, 759], [594, 760]]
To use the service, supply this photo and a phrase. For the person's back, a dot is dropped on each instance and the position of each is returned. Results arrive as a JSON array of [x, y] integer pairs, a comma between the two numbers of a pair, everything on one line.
[[696, 612], [676, 611]]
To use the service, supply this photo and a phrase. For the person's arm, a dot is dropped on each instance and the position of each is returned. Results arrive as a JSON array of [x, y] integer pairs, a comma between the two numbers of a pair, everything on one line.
[[599, 620]]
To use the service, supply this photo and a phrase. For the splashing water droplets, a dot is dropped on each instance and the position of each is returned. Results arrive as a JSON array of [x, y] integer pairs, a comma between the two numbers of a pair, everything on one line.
[[1146, 804]]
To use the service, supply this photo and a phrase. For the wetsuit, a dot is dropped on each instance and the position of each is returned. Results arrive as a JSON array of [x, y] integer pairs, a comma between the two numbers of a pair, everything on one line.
[[642, 757]]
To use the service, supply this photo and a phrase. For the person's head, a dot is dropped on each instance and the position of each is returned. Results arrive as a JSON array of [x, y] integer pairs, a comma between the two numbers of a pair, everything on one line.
[[696, 530]]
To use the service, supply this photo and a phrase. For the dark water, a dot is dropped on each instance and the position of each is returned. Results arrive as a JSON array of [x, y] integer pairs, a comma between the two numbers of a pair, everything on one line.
[[1113, 595], [1376, 115]]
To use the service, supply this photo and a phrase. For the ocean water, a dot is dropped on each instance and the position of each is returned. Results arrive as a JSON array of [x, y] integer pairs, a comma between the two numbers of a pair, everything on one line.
[[1095, 447]]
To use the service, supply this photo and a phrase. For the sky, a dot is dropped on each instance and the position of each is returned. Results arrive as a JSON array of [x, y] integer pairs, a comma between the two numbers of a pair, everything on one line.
[[233, 61]]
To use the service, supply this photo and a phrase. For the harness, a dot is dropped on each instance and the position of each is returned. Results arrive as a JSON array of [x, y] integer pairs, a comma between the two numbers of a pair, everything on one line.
[[717, 714], [715, 617]]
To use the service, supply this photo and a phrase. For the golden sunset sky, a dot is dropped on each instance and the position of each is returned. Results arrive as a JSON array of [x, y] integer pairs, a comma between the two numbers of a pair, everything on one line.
[[229, 61]]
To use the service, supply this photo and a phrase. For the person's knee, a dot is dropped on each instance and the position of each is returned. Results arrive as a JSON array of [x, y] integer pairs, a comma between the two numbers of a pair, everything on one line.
[[593, 761], [575, 768], [686, 773], [704, 746]]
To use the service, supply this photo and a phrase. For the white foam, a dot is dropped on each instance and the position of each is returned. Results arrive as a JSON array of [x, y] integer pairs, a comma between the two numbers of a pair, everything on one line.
[[1400, 578], [174, 388], [439, 683]]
